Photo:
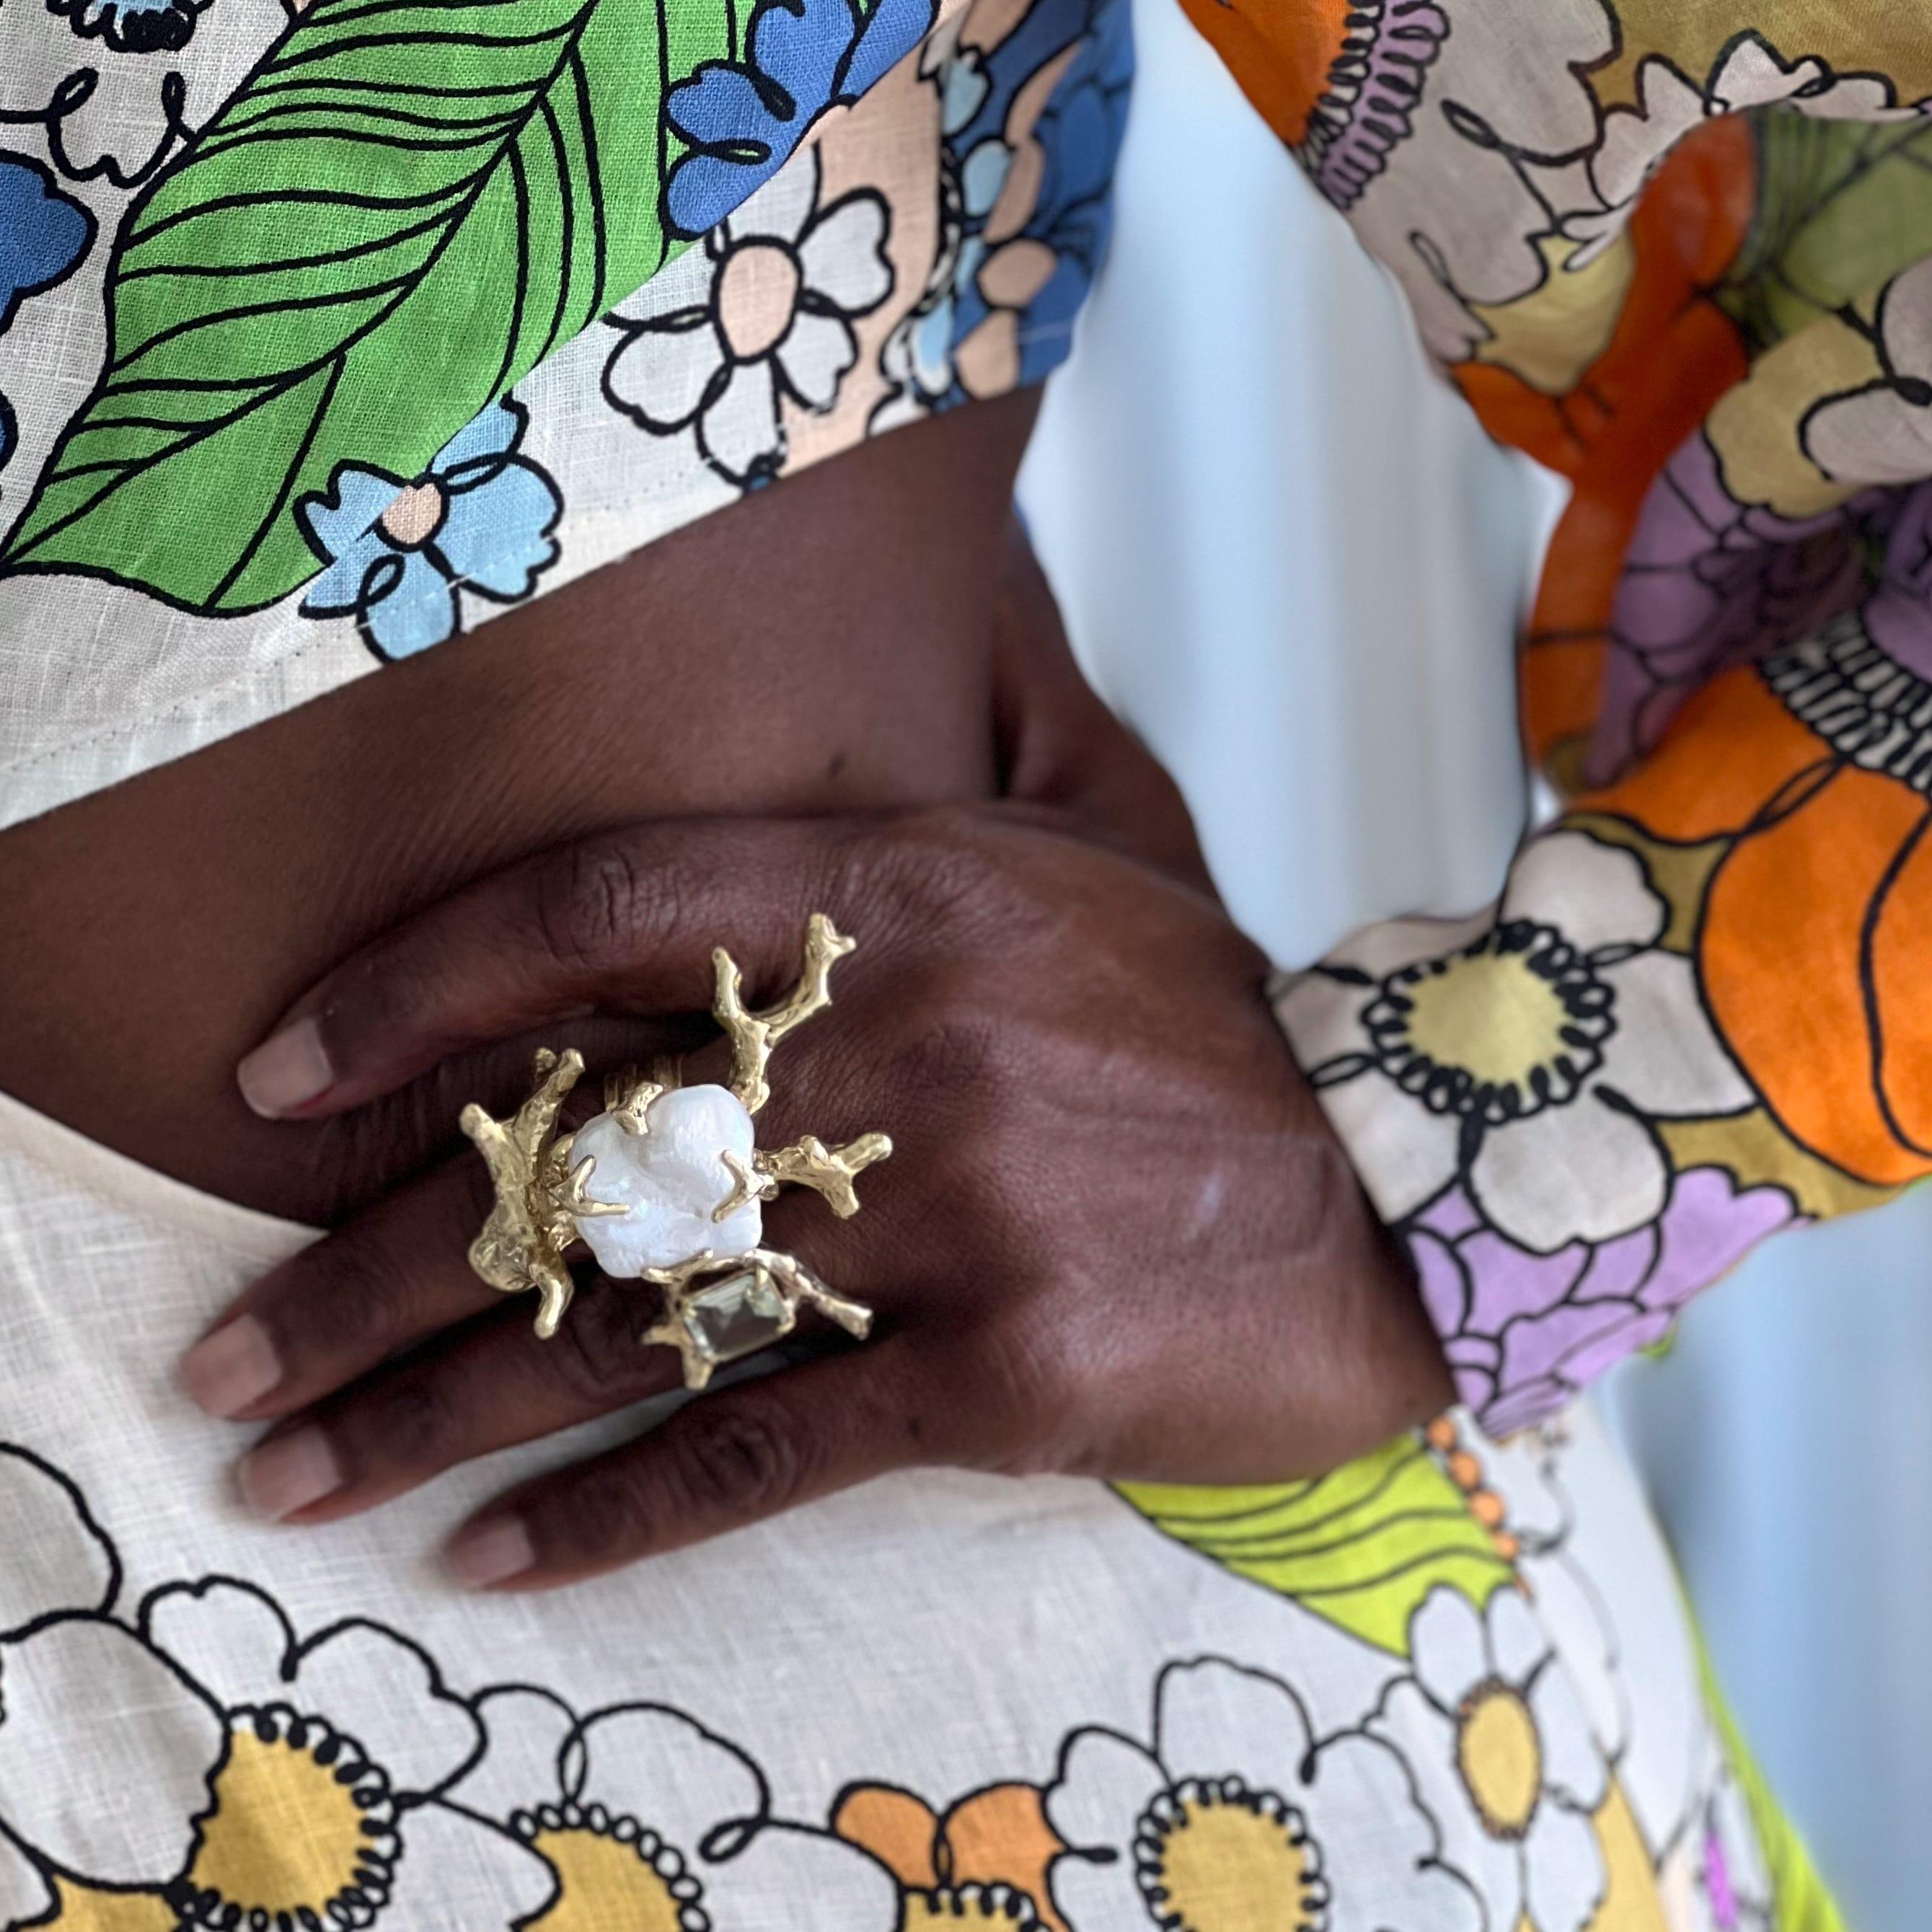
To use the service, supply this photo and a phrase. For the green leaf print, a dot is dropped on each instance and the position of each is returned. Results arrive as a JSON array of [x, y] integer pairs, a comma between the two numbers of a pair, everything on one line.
[[1842, 207], [403, 209], [1361, 1547]]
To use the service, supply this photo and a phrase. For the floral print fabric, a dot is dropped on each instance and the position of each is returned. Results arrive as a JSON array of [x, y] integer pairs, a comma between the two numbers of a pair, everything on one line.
[[1679, 255], [664, 256]]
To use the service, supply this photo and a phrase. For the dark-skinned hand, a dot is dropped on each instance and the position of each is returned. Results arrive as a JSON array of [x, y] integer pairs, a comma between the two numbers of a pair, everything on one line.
[[1116, 1238]]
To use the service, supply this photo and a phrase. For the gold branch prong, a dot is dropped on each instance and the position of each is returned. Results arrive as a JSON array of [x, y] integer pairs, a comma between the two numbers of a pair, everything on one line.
[[754, 1036], [829, 1172], [797, 1283], [572, 1199], [748, 1183]]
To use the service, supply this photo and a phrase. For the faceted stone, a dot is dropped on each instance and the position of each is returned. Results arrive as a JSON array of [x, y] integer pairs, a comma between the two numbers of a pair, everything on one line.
[[737, 1317], [670, 1178]]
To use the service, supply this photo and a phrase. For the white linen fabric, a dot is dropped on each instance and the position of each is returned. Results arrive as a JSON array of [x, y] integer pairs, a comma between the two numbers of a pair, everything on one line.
[[210, 1720]]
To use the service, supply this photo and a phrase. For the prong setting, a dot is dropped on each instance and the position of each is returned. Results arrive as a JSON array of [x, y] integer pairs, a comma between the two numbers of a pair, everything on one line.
[[717, 1306]]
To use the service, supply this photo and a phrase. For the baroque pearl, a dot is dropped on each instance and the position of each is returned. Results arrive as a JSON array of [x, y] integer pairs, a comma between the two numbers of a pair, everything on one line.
[[670, 1177]]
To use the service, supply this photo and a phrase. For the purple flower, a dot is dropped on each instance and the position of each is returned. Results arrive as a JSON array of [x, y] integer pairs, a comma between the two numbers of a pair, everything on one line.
[[1524, 1332], [1707, 582]]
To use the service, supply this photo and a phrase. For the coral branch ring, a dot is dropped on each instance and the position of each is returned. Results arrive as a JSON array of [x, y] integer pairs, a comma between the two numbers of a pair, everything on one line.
[[667, 1186]]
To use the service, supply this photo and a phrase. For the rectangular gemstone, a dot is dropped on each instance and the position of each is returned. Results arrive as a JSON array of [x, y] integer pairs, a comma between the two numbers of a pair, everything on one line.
[[737, 1316]]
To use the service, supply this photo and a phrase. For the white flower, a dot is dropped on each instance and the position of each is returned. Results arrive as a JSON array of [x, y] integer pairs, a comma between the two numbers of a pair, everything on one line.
[[1517, 1050], [1233, 1817], [351, 1732], [1881, 432], [107, 1753], [1750, 74], [1528, 1475], [759, 311], [1503, 1756], [650, 1820]]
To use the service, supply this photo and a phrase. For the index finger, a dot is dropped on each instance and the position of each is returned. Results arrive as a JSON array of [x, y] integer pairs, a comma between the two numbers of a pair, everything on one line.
[[626, 919]]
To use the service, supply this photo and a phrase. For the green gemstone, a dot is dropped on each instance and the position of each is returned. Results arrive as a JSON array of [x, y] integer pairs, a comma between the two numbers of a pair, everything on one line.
[[737, 1316]]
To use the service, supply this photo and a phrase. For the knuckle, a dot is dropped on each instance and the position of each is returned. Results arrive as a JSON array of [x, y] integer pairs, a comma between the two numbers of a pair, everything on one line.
[[594, 1354], [344, 1305], [595, 902], [409, 1421], [735, 1461]]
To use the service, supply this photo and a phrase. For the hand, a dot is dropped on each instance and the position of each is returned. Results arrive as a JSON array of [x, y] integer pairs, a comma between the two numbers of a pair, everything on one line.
[[1116, 1238]]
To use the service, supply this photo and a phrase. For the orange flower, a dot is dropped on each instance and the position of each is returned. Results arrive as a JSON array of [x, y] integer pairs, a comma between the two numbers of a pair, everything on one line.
[[965, 1867], [1818, 919]]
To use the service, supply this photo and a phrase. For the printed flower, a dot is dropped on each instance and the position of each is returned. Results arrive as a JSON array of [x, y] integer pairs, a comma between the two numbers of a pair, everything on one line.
[[1749, 72], [984, 1863], [350, 1735], [44, 235], [650, 1821], [134, 26], [1881, 432], [1519, 1489], [1825, 881], [1503, 1757], [744, 119], [1732, 1877], [1707, 582], [135, 93], [399, 554], [1234, 1818], [1519, 1052], [108, 1754], [1526, 1332], [1025, 209], [756, 315]]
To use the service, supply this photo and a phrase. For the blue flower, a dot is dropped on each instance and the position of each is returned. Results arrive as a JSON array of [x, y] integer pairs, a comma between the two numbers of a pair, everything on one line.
[[134, 26], [744, 119], [478, 520], [44, 235]]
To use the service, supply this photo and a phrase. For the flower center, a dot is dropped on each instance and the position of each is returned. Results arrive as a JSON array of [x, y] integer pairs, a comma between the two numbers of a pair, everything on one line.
[[416, 516], [304, 1827], [953, 1905], [1500, 1758], [1858, 697], [1510, 1025], [612, 1872], [1214, 1856], [757, 292]]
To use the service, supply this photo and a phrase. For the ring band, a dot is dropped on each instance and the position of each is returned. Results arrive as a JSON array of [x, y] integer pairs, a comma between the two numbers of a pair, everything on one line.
[[667, 1185]]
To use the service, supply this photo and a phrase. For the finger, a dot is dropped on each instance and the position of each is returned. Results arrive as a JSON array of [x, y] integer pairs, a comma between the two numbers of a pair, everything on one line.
[[489, 1386], [1060, 744], [628, 920], [399, 1272], [721, 1462]]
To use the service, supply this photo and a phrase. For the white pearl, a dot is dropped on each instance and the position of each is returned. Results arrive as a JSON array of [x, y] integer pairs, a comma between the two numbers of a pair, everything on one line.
[[670, 1177]]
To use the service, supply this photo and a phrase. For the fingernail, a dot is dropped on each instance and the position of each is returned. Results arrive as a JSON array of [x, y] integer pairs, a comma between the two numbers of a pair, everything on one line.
[[287, 1070], [232, 1369], [490, 1552], [288, 1473]]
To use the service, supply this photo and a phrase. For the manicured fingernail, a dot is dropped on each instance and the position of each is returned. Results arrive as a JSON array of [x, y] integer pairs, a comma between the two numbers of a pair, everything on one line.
[[232, 1369], [490, 1552], [288, 1473], [287, 1070]]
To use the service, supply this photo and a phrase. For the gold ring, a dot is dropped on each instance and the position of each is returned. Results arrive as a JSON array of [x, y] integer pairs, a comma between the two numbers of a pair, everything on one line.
[[668, 1186]]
